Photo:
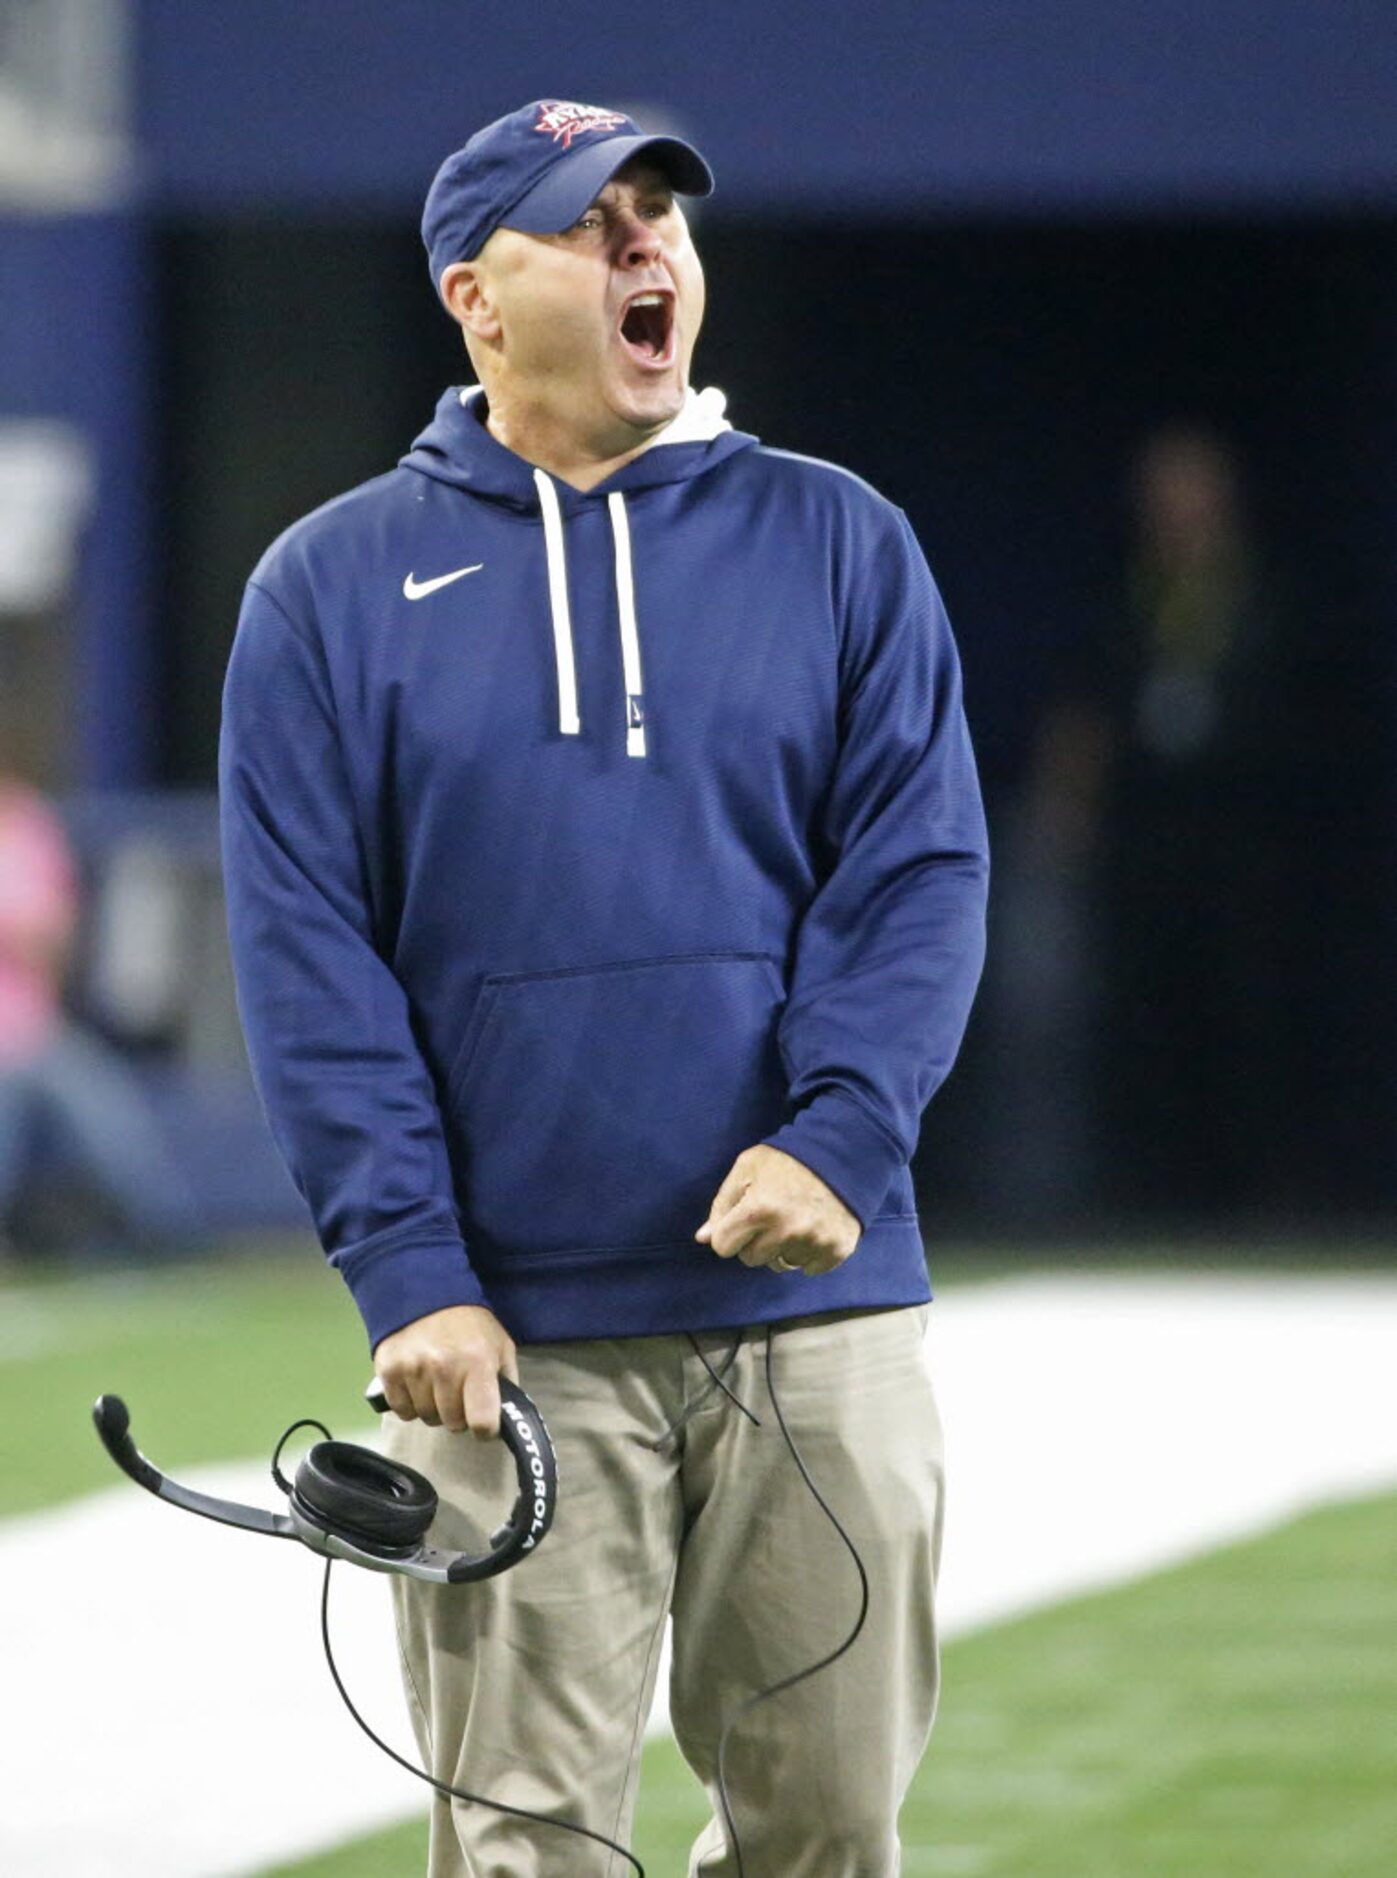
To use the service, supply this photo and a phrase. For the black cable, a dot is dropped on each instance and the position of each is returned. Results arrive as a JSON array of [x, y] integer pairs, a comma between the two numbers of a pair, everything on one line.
[[789, 1682], [306, 1421], [455, 1793], [718, 1376], [699, 1400]]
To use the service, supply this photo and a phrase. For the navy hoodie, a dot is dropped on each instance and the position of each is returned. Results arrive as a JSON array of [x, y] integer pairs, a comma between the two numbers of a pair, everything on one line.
[[574, 843]]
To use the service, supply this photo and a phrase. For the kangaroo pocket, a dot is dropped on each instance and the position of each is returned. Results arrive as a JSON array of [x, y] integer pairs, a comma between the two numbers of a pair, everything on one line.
[[602, 1106]]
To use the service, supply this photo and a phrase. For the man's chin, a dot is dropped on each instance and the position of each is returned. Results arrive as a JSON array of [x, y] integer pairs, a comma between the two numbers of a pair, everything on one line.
[[646, 408]]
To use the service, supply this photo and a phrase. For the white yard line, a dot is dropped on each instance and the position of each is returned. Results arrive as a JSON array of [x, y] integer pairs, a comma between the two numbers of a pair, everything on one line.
[[1098, 1429], [167, 1711]]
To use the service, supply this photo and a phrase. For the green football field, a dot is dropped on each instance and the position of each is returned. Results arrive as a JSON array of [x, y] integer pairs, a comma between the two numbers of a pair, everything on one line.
[[1233, 1717]]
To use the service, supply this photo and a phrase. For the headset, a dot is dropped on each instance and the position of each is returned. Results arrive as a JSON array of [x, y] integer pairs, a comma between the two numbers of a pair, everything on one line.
[[352, 1503]]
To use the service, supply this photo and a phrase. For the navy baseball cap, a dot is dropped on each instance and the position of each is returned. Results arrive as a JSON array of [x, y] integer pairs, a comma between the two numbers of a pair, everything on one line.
[[537, 170]]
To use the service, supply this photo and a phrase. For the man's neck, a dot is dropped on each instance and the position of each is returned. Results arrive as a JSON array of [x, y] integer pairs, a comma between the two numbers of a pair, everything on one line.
[[539, 438]]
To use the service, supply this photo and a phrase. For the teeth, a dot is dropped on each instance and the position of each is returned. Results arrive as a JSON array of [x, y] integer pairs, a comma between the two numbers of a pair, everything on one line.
[[648, 299]]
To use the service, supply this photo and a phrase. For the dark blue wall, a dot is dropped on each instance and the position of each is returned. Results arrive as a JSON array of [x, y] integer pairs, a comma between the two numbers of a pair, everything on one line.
[[75, 344], [805, 107], [816, 104]]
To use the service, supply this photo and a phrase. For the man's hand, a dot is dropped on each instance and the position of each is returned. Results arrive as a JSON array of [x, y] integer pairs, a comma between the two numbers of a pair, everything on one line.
[[443, 1369], [773, 1207]]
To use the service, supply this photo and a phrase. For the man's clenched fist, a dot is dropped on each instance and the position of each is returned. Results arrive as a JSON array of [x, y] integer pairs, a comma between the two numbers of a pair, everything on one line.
[[774, 1210]]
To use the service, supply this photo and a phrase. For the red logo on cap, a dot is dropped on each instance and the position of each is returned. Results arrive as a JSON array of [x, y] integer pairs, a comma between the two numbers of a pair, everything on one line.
[[563, 122]]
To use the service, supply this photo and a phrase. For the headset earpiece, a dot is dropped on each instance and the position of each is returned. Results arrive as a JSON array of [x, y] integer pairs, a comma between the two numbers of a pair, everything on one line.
[[364, 1496]]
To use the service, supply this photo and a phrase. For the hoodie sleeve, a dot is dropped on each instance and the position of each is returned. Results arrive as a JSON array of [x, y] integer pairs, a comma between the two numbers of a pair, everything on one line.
[[346, 1092], [889, 950]]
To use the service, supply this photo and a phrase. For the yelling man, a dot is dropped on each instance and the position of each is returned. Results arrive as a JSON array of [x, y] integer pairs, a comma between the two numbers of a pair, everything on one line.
[[606, 876]]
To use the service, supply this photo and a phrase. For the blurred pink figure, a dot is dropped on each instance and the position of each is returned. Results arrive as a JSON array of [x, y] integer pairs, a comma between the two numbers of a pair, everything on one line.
[[57, 1081], [38, 914]]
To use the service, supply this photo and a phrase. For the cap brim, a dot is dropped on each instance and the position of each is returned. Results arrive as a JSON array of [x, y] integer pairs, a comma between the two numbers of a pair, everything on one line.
[[557, 199]]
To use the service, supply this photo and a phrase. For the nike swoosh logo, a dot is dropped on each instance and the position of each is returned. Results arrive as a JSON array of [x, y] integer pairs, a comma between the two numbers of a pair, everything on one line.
[[414, 589]]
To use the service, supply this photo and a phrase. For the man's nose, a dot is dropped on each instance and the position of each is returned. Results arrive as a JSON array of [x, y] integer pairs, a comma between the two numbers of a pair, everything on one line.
[[639, 242]]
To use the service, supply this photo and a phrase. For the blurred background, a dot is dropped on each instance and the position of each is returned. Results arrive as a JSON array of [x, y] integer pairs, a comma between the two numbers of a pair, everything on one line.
[[1105, 297], [1103, 294]]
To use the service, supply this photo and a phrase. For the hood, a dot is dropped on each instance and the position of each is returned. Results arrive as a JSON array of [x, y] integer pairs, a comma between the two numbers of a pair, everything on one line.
[[456, 448]]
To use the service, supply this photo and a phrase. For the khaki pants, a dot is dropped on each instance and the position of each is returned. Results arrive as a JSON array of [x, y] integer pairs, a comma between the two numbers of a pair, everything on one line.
[[533, 1688]]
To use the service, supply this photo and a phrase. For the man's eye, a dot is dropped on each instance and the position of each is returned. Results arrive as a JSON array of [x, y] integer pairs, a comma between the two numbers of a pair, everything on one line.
[[594, 218]]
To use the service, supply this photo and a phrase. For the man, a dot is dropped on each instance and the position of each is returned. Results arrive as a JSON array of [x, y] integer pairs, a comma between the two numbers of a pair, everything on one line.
[[606, 876]]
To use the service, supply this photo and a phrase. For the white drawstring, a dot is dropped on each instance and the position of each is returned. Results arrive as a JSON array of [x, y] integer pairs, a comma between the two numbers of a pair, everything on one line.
[[568, 720], [700, 420], [630, 642]]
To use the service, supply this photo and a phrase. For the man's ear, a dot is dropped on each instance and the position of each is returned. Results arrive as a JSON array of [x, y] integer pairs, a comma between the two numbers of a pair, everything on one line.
[[465, 292]]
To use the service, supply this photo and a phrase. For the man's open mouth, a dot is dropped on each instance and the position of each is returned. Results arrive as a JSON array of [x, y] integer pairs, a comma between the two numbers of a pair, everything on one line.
[[647, 328]]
